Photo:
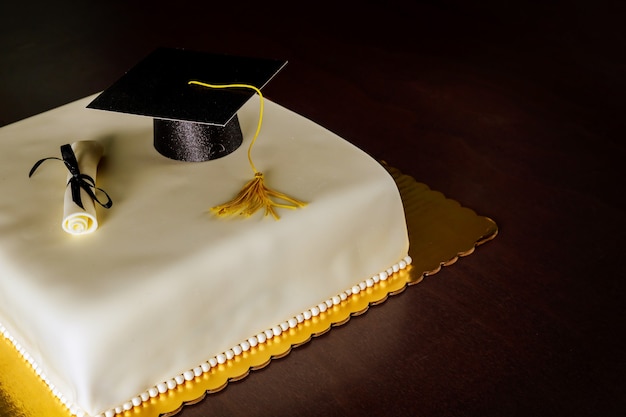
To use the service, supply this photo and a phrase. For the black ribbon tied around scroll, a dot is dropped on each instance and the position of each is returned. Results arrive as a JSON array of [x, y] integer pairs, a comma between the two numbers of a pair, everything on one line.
[[78, 180]]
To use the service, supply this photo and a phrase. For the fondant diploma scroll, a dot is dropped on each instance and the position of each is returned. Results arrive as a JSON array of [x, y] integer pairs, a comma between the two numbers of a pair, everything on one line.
[[80, 220], [79, 210]]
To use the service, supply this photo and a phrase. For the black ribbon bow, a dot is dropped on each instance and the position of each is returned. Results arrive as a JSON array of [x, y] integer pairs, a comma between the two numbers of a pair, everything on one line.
[[78, 180]]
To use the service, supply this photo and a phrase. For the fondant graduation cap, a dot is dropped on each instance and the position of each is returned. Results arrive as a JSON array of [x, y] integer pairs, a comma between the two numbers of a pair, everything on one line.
[[191, 122], [193, 98]]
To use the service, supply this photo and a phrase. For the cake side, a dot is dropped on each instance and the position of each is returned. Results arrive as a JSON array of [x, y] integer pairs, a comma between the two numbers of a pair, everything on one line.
[[147, 287]]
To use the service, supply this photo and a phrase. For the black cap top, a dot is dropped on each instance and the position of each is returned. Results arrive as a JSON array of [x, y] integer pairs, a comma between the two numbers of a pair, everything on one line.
[[158, 86]]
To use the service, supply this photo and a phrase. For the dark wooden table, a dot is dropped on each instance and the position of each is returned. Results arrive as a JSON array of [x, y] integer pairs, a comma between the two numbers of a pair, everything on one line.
[[514, 111]]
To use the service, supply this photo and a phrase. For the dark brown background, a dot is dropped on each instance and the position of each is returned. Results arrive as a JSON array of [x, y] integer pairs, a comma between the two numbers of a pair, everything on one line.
[[515, 111]]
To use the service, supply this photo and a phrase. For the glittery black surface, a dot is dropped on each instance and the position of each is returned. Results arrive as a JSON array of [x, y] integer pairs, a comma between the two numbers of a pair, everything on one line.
[[196, 142]]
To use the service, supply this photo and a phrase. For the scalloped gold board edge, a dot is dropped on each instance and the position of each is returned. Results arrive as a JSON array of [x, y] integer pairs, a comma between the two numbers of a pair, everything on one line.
[[440, 231]]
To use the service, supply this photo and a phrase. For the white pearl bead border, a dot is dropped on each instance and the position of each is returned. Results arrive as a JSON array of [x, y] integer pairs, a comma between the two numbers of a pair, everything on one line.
[[219, 359]]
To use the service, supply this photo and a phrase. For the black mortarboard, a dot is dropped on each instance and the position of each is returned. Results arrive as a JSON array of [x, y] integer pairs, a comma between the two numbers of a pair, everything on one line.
[[191, 123]]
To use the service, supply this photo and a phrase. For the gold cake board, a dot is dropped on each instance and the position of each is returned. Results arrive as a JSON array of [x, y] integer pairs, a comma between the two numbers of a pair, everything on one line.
[[440, 231]]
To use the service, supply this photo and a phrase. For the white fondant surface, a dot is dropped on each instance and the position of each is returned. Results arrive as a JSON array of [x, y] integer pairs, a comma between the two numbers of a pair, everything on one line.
[[163, 285]]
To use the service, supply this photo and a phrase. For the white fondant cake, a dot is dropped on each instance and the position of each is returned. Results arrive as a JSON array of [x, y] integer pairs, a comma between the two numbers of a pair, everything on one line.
[[163, 286]]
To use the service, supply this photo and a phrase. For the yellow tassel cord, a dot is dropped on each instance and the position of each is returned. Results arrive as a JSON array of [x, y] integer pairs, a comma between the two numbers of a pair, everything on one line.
[[254, 195]]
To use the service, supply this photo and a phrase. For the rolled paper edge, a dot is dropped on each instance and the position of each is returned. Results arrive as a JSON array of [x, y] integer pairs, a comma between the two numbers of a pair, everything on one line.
[[80, 223], [77, 221]]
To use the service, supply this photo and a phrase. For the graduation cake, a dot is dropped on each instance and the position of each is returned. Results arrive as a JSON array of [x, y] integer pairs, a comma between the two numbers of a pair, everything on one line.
[[119, 282]]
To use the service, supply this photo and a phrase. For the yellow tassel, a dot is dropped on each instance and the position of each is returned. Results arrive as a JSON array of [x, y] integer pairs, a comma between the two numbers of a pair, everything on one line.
[[254, 195]]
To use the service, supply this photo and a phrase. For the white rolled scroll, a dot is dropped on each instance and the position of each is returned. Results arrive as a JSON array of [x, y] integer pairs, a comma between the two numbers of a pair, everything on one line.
[[77, 220]]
